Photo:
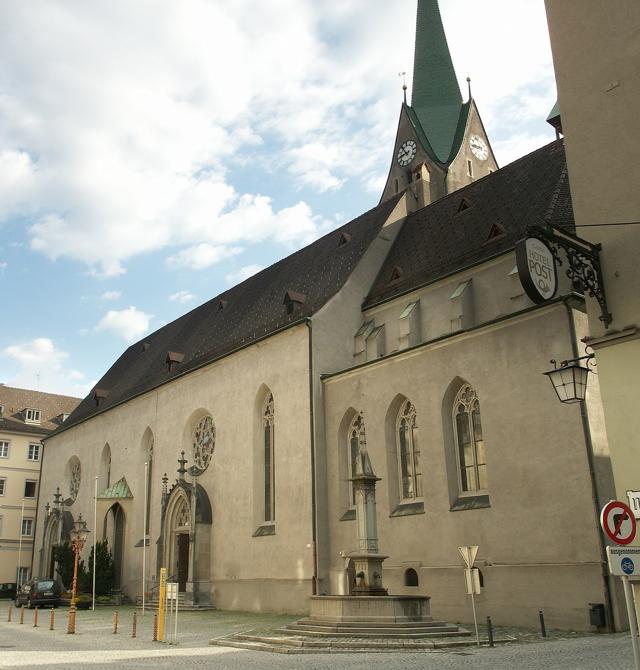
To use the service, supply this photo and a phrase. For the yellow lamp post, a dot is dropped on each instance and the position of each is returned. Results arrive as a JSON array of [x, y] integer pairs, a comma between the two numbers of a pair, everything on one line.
[[78, 535]]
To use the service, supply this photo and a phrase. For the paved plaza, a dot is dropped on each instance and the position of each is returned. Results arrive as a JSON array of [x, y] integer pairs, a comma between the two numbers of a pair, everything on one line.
[[94, 645]]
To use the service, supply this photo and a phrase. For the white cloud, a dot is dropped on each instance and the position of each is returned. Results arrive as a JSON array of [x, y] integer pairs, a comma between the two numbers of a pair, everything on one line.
[[115, 148], [243, 273], [3, 266], [182, 297], [129, 324], [111, 295], [201, 256], [42, 366]]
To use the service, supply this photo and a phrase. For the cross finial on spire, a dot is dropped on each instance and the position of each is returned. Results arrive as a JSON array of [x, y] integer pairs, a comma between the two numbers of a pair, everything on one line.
[[469, 86], [404, 84]]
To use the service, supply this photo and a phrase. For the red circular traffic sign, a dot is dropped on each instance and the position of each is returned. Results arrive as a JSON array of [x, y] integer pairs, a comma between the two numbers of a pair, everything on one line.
[[618, 522]]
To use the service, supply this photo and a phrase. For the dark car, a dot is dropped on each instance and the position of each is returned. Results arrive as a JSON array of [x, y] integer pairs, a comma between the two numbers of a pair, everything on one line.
[[40, 592], [8, 590]]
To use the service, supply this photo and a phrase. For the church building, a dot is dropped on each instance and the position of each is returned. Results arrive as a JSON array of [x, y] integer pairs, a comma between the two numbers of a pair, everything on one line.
[[225, 442]]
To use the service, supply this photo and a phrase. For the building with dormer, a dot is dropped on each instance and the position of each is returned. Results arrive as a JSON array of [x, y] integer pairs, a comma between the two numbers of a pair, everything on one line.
[[224, 443]]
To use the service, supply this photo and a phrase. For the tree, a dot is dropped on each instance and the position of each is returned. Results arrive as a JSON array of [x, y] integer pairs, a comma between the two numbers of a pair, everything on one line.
[[104, 569]]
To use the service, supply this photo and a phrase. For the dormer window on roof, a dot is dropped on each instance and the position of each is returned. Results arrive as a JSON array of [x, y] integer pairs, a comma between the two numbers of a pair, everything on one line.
[[146, 346], [345, 238], [396, 274], [222, 304], [32, 415], [173, 359], [293, 299], [464, 205], [99, 395], [497, 231]]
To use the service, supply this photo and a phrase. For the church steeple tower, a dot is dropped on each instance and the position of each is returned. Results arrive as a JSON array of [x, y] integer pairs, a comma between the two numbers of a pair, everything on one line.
[[441, 143], [435, 98]]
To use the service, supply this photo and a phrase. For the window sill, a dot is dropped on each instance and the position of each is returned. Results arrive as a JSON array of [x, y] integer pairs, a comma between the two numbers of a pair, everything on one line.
[[144, 542], [470, 502], [349, 515], [267, 529], [407, 509]]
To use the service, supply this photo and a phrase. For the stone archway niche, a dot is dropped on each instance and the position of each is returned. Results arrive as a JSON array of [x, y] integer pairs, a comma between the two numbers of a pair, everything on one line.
[[186, 540]]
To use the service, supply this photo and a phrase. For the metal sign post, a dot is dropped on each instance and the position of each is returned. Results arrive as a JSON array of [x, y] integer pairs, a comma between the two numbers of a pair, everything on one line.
[[172, 599], [472, 580], [624, 562]]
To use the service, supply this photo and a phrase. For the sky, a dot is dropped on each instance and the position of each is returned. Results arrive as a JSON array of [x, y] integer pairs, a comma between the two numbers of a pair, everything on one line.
[[154, 153]]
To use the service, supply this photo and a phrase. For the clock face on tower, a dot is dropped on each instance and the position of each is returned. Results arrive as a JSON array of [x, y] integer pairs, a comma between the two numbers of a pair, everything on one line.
[[407, 152], [478, 147]]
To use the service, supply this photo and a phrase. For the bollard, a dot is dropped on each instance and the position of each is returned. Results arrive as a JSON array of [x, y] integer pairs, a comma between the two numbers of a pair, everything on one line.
[[134, 625], [490, 631], [22, 614], [35, 617], [115, 622], [543, 629], [155, 628], [52, 619], [10, 613]]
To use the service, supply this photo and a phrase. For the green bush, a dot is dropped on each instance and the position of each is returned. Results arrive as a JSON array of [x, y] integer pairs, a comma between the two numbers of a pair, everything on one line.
[[104, 569]]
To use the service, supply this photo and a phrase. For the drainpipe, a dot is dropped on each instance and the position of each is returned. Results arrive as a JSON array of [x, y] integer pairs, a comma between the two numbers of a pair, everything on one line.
[[314, 531], [586, 429]]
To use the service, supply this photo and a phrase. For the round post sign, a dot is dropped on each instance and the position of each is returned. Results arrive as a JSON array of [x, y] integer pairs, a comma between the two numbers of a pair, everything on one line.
[[618, 522], [536, 269]]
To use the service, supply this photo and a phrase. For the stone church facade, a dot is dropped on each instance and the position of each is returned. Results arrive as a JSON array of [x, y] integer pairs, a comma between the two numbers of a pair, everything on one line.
[[406, 328]]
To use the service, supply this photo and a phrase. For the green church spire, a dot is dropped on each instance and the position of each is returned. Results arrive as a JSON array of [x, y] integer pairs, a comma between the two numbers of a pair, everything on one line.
[[436, 98]]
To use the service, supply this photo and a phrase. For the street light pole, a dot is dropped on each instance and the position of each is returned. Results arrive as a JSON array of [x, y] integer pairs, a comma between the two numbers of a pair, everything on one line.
[[144, 535], [19, 580], [78, 534], [95, 535]]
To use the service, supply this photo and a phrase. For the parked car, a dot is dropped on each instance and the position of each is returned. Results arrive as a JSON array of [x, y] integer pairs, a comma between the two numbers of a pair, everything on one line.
[[40, 592], [8, 590]]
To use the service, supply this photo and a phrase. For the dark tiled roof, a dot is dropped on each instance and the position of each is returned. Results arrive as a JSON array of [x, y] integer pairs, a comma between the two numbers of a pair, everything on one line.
[[242, 315], [439, 240], [52, 406]]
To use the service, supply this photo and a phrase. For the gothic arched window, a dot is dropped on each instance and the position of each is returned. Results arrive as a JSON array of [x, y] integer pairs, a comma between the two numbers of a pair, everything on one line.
[[356, 437], [470, 452], [409, 470], [269, 464]]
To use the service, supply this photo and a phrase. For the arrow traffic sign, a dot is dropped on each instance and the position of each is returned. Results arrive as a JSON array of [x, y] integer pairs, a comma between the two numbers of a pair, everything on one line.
[[468, 555], [618, 522]]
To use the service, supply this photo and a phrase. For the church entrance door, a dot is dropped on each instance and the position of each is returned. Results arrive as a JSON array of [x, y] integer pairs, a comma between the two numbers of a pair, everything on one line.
[[183, 561]]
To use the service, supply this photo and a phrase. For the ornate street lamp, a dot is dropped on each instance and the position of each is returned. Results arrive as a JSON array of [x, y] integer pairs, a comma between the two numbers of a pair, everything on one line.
[[570, 379], [78, 536]]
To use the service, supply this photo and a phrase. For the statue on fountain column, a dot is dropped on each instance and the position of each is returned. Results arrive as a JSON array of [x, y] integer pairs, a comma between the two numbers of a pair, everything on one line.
[[367, 560]]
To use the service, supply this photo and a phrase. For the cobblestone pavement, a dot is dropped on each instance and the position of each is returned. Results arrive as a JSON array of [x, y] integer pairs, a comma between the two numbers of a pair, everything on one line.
[[95, 646]]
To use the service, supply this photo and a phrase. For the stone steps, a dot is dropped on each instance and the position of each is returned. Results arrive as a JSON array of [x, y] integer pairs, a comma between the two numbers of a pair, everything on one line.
[[295, 645], [182, 605], [380, 633]]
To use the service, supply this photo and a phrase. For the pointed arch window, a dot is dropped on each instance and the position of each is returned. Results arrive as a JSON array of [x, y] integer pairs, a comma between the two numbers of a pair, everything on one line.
[[470, 450], [408, 447], [269, 464], [356, 438]]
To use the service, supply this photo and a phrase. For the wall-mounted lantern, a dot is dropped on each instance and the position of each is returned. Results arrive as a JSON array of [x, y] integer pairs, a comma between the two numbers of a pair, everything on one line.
[[570, 378]]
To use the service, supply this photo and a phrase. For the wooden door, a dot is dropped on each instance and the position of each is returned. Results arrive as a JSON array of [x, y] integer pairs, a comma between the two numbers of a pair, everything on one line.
[[183, 561]]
